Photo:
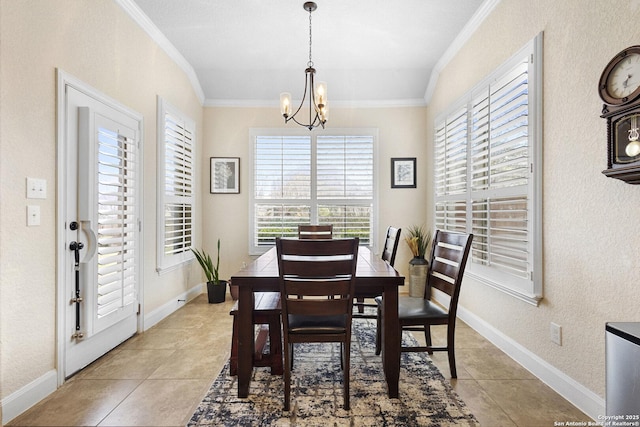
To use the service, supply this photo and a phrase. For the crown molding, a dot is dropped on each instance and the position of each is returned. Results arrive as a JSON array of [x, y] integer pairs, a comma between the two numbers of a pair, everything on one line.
[[156, 35], [274, 103], [474, 23]]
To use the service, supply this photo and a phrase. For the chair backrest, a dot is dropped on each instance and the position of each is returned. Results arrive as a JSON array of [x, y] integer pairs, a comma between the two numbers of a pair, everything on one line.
[[391, 245], [315, 231], [312, 270], [449, 255]]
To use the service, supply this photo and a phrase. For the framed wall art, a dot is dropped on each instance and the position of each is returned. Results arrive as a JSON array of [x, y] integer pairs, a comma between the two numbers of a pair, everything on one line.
[[403, 172], [225, 175]]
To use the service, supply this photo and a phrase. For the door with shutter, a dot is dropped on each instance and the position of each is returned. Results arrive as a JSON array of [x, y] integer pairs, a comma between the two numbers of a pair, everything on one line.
[[102, 183]]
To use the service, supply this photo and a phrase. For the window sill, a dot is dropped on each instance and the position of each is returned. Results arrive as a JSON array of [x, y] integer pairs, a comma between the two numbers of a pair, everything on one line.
[[528, 298], [162, 270]]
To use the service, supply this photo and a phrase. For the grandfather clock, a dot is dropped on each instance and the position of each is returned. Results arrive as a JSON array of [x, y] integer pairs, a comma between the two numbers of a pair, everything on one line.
[[619, 88]]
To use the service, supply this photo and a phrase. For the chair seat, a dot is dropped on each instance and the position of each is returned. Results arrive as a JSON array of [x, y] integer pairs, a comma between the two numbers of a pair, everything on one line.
[[299, 324], [412, 308], [417, 308]]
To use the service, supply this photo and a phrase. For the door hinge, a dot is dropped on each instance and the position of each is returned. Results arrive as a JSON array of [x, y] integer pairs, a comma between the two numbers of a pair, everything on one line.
[[139, 309], [140, 226]]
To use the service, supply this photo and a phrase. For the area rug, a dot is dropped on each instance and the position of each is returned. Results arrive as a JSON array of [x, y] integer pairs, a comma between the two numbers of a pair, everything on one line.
[[426, 398]]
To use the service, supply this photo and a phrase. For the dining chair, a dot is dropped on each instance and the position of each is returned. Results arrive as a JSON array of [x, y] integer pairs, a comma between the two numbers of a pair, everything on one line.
[[306, 231], [322, 272], [448, 260], [391, 240]]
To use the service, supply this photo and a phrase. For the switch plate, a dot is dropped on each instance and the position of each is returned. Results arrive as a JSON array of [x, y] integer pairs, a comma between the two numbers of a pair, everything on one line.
[[556, 333], [33, 215], [36, 188]]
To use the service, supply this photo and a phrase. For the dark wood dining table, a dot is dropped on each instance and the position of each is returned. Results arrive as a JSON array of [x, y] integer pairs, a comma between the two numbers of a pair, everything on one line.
[[373, 277]]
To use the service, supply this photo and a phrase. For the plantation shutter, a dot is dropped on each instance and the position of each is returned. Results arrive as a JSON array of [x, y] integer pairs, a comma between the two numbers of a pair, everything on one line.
[[451, 172], [301, 178], [116, 232], [282, 186], [500, 174], [178, 186], [345, 184], [177, 194], [487, 175]]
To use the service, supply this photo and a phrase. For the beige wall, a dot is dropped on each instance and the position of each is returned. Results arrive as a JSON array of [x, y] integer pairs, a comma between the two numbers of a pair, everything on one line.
[[96, 42], [591, 243], [401, 133]]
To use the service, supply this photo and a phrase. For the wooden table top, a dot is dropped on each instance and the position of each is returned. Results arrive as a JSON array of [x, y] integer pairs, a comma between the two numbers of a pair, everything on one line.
[[370, 267]]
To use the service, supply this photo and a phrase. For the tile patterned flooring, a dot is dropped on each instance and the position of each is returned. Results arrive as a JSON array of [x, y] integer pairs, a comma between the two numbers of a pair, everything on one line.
[[159, 377]]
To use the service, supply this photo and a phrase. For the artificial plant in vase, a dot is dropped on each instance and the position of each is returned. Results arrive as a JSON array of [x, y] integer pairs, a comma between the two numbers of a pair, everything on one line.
[[418, 240], [216, 288]]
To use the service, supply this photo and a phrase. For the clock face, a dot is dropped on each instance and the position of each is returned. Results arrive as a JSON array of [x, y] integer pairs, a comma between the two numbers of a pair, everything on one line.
[[620, 81], [624, 78]]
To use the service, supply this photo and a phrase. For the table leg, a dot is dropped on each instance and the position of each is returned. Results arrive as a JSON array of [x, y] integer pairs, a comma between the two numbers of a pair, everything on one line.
[[391, 340], [245, 339]]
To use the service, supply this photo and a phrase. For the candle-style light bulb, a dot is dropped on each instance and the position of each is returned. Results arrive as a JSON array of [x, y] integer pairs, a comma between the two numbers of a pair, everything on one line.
[[321, 94], [285, 104]]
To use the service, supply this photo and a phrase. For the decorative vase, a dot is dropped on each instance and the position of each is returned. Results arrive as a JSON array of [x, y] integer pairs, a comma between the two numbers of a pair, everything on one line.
[[217, 293], [418, 267]]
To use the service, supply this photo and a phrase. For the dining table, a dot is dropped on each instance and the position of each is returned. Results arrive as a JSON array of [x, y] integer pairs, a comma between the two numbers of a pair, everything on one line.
[[374, 277]]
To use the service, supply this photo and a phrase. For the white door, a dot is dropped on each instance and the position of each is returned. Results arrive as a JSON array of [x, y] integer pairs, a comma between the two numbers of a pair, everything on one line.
[[100, 200]]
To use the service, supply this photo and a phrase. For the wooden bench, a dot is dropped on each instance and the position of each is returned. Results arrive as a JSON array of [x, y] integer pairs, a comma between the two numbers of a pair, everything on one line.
[[266, 313]]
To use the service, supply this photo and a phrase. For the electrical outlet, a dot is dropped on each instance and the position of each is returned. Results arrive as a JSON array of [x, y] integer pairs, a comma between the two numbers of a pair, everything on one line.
[[33, 215], [556, 333]]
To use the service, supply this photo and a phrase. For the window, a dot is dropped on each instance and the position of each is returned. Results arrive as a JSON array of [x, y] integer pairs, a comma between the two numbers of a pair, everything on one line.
[[487, 174], [302, 178], [176, 196]]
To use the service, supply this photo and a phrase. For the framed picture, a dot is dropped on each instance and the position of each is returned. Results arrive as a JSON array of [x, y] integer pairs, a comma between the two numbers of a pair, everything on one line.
[[225, 175], [403, 172]]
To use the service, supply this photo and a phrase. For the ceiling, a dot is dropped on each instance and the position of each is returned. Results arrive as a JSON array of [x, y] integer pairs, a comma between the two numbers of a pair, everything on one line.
[[374, 52]]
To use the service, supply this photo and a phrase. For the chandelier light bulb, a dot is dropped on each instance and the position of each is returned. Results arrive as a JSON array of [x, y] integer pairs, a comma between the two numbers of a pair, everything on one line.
[[285, 104], [321, 94]]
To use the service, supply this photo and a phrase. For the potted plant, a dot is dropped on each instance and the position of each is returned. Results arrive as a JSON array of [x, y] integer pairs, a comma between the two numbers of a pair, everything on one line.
[[216, 288], [418, 241]]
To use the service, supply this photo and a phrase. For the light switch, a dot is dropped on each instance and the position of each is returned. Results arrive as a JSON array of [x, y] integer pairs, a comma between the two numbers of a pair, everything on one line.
[[36, 188], [33, 215]]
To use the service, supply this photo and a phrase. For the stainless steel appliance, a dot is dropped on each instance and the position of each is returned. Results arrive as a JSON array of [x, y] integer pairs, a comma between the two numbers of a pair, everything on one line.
[[623, 370]]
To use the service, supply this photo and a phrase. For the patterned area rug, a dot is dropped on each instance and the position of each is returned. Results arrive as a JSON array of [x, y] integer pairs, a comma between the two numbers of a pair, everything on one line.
[[426, 398]]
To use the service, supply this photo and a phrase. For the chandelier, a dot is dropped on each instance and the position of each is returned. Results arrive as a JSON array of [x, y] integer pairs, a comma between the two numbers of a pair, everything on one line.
[[317, 95]]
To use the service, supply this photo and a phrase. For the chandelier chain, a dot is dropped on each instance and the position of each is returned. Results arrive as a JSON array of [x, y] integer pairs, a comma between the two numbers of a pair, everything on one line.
[[310, 63]]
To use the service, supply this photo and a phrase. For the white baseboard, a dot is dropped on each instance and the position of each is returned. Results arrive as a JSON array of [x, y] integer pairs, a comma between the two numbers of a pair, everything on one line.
[[580, 396], [165, 310], [32, 393]]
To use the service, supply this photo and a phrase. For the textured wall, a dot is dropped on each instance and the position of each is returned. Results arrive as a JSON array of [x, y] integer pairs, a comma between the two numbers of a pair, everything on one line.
[[95, 41], [591, 241]]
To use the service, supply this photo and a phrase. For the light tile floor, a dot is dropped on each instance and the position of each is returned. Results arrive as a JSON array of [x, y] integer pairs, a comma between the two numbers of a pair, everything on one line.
[[159, 377]]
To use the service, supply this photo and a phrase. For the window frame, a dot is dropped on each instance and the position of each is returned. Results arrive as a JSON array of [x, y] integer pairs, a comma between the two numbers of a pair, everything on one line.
[[165, 263], [254, 249], [530, 289]]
